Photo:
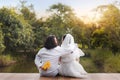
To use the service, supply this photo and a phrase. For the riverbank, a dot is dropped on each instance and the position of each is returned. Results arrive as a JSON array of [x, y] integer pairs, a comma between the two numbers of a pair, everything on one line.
[[94, 61], [100, 61], [6, 60], [18, 63]]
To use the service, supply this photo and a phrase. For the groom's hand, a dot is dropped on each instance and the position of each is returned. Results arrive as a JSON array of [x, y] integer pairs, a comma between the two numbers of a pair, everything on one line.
[[42, 68]]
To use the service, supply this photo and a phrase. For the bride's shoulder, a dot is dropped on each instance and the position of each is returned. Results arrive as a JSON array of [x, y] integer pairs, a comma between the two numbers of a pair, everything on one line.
[[76, 45], [58, 47]]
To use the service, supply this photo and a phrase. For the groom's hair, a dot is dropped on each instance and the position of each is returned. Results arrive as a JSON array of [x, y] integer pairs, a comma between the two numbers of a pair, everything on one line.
[[50, 42]]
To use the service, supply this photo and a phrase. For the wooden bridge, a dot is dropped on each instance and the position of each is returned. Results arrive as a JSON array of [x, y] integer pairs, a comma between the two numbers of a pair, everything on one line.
[[35, 76]]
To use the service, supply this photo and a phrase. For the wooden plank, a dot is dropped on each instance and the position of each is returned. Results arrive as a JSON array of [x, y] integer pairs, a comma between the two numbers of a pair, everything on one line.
[[4, 76], [104, 76], [19, 76], [35, 76]]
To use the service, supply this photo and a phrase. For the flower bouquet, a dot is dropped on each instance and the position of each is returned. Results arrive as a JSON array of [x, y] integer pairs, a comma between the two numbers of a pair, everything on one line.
[[46, 65]]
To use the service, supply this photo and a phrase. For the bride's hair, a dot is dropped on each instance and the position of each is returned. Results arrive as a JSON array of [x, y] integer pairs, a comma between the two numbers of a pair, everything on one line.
[[50, 42], [64, 37]]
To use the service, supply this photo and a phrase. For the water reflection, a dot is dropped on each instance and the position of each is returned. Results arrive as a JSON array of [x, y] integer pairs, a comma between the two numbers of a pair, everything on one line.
[[27, 66]]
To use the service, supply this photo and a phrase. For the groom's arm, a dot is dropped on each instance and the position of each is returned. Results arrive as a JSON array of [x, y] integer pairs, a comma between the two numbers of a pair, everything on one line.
[[38, 61]]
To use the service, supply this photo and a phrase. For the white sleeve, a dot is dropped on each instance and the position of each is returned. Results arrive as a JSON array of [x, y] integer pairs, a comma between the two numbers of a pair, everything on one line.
[[64, 51], [78, 51], [81, 53], [38, 60]]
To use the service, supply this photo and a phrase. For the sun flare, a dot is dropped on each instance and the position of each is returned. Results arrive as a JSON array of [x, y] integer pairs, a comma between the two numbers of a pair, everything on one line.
[[91, 17]]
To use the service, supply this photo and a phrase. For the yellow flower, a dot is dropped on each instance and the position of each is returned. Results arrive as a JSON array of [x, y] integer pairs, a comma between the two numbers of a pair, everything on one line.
[[46, 65]]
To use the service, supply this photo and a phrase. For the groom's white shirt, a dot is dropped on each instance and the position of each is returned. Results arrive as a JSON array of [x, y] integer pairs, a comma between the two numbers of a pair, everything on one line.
[[53, 56]]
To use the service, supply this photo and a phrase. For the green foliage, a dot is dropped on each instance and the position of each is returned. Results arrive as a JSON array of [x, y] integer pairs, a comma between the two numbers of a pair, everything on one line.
[[89, 65], [111, 22], [101, 60], [24, 31], [2, 47], [40, 36], [17, 32], [6, 60], [63, 20], [58, 22], [21, 30], [100, 55], [28, 13], [99, 38], [86, 38], [112, 64]]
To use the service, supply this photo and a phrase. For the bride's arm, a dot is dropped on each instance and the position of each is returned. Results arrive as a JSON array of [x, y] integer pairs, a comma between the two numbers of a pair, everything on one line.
[[77, 59], [64, 51], [81, 52]]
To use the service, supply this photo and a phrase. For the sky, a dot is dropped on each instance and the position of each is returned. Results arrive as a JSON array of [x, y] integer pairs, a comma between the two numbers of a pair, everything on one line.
[[80, 7]]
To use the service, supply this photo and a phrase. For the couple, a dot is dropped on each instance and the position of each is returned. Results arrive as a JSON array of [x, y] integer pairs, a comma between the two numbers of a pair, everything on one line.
[[64, 59]]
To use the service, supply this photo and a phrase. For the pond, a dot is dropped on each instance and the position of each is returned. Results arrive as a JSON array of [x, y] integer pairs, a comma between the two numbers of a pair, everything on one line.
[[27, 66]]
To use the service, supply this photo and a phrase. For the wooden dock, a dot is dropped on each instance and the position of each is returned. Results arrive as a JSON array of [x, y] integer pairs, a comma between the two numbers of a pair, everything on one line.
[[35, 76]]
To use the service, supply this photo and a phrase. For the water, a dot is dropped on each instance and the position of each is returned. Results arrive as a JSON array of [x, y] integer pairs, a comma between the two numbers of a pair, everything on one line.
[[27, 66]]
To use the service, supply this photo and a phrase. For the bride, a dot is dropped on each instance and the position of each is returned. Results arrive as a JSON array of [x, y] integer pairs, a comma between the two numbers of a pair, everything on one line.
[[69, 66]]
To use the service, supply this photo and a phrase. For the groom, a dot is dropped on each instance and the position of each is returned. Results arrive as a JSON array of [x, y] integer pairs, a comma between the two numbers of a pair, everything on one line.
[[50, 52]]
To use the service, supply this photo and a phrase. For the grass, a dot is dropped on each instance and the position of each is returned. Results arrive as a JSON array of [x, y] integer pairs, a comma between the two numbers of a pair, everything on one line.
[[6, 60], [88, 65], [112, 64], [101, 60]]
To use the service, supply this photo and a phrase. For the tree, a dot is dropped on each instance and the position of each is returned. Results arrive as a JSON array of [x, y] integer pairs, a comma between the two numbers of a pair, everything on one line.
[[58, 22], [63, 21], [41, 32], [87, 35], [17, 32], [28, 13], [99, 38], [37, 24], [111, 21], [2, 47]]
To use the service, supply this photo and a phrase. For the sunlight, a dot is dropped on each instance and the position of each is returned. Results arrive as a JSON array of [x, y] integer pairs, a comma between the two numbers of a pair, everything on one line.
[[91, 17]]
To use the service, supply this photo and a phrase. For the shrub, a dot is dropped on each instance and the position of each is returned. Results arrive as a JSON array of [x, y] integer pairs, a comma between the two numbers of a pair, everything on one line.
[[88, 65], [88, 52], [6, 60], [112, 64], [2, 47], [100, 55]]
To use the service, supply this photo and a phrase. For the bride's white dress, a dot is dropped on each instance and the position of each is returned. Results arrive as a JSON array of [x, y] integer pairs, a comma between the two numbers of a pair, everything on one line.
[[68, 64]]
